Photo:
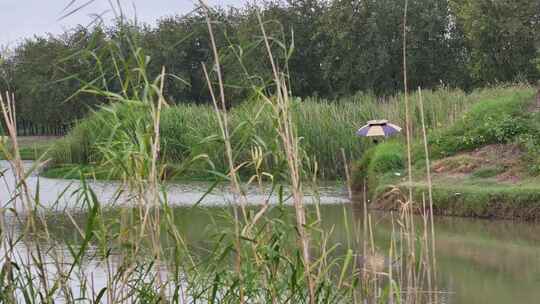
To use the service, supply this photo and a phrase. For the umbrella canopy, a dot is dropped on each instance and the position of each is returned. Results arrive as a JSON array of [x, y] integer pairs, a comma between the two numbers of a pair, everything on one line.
[[378, 128]]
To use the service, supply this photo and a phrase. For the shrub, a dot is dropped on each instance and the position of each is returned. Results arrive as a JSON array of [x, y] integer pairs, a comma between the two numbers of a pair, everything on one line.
[[388, 157], [380, 165]]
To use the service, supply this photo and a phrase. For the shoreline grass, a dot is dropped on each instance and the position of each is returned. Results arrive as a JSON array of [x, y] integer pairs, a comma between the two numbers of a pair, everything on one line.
[[499, 182]]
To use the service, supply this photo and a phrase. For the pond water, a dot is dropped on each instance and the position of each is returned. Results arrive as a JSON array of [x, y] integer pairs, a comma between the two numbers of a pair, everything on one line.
[[478, 261], [58, 193]]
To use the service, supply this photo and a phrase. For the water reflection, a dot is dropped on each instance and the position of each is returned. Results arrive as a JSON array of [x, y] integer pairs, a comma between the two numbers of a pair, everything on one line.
[[479, 261], [61, 194]]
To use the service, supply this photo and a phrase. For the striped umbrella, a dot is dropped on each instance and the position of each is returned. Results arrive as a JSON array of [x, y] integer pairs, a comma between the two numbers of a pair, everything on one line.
[[378, 128]]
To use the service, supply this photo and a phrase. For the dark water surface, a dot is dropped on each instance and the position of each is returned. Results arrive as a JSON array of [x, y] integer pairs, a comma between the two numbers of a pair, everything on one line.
[[478, 261]]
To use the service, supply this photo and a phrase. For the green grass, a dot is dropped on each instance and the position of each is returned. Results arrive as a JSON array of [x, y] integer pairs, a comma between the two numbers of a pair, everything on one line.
[[488, 172], [491, 121], [32, 153]]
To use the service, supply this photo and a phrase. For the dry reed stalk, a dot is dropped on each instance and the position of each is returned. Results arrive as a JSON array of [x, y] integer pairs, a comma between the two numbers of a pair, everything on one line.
[[290, 145], [238, 260], [10, 118], [223, 119], [425, 254], [430, 189], [154, 184], [408, 208], [365, 220], [392, 251], [222, 114], [22, 192]]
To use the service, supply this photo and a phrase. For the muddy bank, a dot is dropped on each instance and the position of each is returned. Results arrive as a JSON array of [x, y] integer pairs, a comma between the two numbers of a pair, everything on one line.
[[522, 203]]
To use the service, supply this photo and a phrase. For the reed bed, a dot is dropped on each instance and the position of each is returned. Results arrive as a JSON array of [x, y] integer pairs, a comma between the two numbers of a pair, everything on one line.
[[325, 127]]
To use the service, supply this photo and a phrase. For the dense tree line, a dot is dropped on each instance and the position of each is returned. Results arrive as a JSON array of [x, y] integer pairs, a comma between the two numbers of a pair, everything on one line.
[[330, 48]]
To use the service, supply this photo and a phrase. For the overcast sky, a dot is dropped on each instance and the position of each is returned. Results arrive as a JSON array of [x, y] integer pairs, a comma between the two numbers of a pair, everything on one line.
[[20, 19]]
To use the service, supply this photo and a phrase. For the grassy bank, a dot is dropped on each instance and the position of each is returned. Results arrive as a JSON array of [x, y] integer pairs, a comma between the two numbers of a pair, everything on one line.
[[191, 133], [486, 164]]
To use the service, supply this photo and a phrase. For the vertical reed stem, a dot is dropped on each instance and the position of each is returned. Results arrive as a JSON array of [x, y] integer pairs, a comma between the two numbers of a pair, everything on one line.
[[223, 122], [290, 146], [430, 187]]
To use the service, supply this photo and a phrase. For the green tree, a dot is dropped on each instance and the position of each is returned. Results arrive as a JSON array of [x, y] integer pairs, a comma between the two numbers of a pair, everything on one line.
[[365, 49], [501, 37]]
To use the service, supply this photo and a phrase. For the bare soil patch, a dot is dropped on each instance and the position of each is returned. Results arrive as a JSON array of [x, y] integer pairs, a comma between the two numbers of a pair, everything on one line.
[[505, 157]]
